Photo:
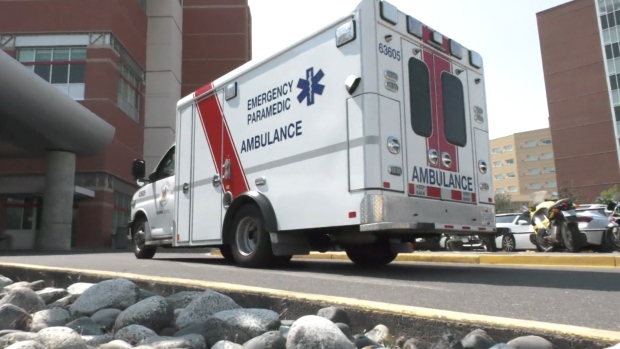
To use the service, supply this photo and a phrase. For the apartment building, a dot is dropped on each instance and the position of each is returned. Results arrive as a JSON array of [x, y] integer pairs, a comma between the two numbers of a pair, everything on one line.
[[523, 163]]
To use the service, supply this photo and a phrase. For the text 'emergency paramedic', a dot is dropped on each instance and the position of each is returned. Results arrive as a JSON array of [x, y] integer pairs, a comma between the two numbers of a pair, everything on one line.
[[439, 178], [279, 135], [273, 98]]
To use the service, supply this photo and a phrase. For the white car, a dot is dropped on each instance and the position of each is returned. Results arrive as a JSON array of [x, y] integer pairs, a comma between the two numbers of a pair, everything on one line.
[[518, 237]]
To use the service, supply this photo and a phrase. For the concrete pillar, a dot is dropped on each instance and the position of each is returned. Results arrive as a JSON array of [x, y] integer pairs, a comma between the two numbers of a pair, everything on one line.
[[57, 215], [164, 45]]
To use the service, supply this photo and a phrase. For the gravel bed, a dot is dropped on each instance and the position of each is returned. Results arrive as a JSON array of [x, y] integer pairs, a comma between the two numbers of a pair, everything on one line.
[[117, 314]]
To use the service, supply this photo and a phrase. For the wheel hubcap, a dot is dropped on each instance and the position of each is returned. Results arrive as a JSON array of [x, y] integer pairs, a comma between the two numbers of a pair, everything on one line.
[[138, 239], [247, 236], [508, 244]]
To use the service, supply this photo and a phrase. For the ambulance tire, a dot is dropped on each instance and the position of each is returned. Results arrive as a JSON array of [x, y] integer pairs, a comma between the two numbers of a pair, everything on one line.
[[250, 243], [139, 249], [371, 255], [226, 252]]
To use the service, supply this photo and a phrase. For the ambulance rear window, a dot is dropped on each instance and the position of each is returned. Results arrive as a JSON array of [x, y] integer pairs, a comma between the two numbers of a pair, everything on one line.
[[455, 128], [420, 98]]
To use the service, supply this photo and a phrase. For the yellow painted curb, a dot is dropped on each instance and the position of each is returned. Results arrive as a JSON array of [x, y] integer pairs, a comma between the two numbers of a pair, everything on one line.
[[550, 260], [370, 306], [617, 261], [439, 258]]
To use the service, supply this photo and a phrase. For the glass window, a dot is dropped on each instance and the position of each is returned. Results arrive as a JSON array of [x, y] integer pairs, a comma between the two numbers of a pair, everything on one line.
[[499, 177], [496, 150], [535, 185], [608, 52], [509, 148], [60, 74], [546, 141], [550, 169], [547, 156], [501, 190], [611, 20], [166, 167], [513, 189], [529, 144], [420, 98], [552, 184], [510, 161], [455, 128], [129, 92], [497, 164], [604, 24], [20, 214], [505, 219], [511, 175], [531, 158], [26, 55], [534, 171]]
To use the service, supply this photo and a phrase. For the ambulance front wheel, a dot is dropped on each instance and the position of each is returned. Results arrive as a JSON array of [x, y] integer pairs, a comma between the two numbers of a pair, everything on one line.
[[140, 250], [251, 247], [371, 255]]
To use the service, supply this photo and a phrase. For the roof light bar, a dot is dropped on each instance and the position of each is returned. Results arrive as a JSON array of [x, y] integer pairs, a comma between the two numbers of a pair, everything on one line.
[[475, 59], [345, 33], [437, 38], [456, 49], [415, 27], [389, 12]]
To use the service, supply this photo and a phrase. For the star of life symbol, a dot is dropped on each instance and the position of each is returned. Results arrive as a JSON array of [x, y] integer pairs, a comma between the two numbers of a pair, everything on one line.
[[310, 86]]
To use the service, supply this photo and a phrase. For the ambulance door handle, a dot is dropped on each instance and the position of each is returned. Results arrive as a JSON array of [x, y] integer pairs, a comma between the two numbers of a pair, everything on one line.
[[216, 181], [185, 188]]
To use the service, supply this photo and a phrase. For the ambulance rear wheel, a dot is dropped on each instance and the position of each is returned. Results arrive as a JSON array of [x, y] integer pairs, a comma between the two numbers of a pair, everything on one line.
[[251, 247], [140, 250], [226, 252], [371, 255]]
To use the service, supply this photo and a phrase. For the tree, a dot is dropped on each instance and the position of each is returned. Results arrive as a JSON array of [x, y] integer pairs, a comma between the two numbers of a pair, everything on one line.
[[503, 203], [610, 194], [569, 192]]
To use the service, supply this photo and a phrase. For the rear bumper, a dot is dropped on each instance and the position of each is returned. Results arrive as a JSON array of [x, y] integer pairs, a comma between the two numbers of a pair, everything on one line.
[[393, 213]]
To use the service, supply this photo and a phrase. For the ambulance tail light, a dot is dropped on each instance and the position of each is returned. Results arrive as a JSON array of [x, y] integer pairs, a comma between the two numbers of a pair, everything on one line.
[[389, 12], [345, 33]]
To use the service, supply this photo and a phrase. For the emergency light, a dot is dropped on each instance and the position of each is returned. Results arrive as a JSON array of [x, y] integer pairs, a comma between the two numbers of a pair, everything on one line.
[[456, 49], [389, 12], [345, 33], [475, 59], [414, 27]]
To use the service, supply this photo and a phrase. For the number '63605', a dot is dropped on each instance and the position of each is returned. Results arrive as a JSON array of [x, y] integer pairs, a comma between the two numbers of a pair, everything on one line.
[[390, 52]]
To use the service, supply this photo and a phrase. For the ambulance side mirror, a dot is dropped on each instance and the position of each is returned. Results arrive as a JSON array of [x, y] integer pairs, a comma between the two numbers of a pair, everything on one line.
[[138, 169]]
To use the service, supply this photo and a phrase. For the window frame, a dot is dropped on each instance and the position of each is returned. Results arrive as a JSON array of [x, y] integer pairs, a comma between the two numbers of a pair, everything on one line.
[[159, 172], [421, 118], [454, 111]]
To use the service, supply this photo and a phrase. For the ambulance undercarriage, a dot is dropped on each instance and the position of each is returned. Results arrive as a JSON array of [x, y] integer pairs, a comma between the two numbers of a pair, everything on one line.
[[363, 137]]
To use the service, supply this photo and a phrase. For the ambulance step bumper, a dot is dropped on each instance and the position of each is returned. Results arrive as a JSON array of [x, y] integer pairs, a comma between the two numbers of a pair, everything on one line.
[[392, 226]]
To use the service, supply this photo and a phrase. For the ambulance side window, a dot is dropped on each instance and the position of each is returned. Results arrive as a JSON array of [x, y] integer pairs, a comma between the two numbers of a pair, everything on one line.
[[166, 167], [455, 127], [420, 97]]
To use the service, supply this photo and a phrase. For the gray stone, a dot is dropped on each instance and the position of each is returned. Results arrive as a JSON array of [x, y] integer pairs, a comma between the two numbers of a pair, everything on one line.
[[412, 343], [116, 293], [168, 332], [268, 340], [19, 284], [226, 345], [24, 298], [64, 302], [106, 318], [314, 332], [116, 344], [5, 332], [288, 323], [195, 340], [284, 330], [144, 294], [335, 314], [346, 330], [617, 346], [218, 329], [199, 328], [182, 299], [447, 341], [530, 342], [254, 322], [5, 281], [26, 345], [79, 288], [506, 346], [175, 343], [35, 286], [51, 294], [49, 318], [153, 312], [201, 308], [133, 334], [85, 326], [98, 340], [477, 339], [13, 317], [177, 312], [378, 334], [362, 341], [13, 338], [61, 338]]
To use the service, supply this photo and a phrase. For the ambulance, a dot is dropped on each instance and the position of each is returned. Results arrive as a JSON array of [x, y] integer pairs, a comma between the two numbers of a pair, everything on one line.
[[366, 136]]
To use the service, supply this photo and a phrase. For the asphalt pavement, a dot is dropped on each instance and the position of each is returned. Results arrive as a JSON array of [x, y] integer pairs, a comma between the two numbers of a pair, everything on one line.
[[586, 297]]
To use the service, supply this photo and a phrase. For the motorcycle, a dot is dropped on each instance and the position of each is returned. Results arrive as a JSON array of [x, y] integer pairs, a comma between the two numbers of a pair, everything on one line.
[[611, 239], [555, 224]]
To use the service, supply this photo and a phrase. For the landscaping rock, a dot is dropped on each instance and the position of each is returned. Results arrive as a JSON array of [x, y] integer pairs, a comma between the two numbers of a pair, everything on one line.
[[116, 344], [477, 339], [19, 284], [13, 317], [79, 288], [346, 330], [313, 331], [217, 330], [4, 281], [106, 318], [362, 341], [13, 338], [5, 332], [530, 342], [116, 293], [153, 312], [133, 334], [335, 314], [195, 340], [144, 294], [506, 346], [61, 338], [51, 294], [201, 308], [98, 340], [378, 334], [253, 322], [182, 299], [64, 302], [24, 298], [412, 343], [26, 345], [199, 328], [268, 340], [49, 318], [173, 343], [226, 345], [85, 326]]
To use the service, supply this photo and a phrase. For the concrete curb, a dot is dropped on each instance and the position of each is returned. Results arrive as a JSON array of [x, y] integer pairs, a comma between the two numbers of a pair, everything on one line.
[[413, 317], [527, 259]]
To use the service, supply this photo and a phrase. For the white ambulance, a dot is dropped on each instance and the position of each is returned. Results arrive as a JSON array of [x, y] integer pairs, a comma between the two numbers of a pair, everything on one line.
[[365, 136]]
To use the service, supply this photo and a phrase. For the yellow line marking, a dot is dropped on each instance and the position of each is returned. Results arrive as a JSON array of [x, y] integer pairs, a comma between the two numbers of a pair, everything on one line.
[[547, 260], [371, 306]]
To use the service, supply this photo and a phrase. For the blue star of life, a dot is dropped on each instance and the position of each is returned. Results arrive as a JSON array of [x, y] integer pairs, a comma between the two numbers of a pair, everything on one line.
[[310, 86]]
